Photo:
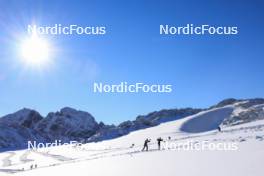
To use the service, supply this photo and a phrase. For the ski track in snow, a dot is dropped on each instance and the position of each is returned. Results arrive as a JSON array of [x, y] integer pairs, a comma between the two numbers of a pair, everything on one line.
[[56, 157], [24, 157], [7, 160]]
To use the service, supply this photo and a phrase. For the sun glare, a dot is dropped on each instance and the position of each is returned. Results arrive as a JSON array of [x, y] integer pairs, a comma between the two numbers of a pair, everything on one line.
[[35, 51]]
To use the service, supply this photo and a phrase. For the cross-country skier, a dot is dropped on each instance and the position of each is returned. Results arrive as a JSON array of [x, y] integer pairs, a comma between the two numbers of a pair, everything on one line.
[[159, 141], [146, 144]]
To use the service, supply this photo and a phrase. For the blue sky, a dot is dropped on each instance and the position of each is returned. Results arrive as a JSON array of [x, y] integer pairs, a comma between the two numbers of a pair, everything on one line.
[[202, 69]]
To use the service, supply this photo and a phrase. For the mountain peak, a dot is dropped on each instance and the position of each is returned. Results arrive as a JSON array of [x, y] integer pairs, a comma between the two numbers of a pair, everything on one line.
[[71, 112], [68, 109], [25, 117], [226, 102]]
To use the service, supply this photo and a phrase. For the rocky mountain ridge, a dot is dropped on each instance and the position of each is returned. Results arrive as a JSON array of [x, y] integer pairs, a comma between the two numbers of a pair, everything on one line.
[[69, 124]]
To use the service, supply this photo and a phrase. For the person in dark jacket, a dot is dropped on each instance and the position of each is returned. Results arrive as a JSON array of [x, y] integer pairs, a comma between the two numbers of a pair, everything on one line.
[[159, 140], [146, 144], [219, 129], [132, 145]]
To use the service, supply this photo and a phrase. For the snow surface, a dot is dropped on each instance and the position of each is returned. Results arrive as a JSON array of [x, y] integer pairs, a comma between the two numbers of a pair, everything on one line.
[[116, 157]]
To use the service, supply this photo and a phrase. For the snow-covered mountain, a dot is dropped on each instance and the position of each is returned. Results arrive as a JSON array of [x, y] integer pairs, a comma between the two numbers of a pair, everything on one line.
[[123, 155], [246, 111], [25, 117], [70, 124], [18, 128], [67, 124]]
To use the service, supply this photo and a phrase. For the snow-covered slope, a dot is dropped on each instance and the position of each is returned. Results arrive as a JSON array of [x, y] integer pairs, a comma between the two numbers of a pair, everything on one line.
[[117, 157], [207, 120]]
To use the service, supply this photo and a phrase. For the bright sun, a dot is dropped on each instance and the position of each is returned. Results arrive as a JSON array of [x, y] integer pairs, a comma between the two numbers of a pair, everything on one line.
[[35, 51]]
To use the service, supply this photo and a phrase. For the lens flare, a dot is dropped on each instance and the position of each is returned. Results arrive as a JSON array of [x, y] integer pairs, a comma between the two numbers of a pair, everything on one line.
[[35, 51]]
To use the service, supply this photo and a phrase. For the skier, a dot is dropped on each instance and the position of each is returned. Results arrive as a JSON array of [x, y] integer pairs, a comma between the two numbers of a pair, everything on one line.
[[159, 141], [146, 144], [36, 165], [132, 145], [219, 129], [31, 166], [169, 138]]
